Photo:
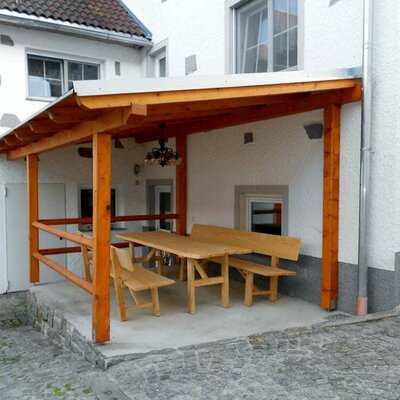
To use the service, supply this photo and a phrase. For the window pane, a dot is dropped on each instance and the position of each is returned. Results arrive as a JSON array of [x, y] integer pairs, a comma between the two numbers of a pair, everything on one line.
[[35, 67], [280, 15], [250, 60], [280, 52], [55, 88], [162, 67], [262, 64], [53, 69], [75, 71], [293, 47], [264, 27], [253, 30], [90, 72], [38, 87], [293, 13]]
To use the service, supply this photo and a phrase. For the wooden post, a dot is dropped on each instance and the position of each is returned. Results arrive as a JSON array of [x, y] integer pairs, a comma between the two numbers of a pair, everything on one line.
[[330, 226], [101, 237], [32, 175], [181, 184]]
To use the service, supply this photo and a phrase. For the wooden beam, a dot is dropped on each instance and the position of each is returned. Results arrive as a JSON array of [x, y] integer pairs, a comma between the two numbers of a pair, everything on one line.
[[330, 225], [101, 237], [309, 103], [70, 115], [13, 141], [182, 96], [64, 272], [43, 126], [32, 177], [83, 131], [181, 185]]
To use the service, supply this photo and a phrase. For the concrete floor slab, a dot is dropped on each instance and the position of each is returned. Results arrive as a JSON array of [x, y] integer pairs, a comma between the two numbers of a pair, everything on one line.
[[175, 328]]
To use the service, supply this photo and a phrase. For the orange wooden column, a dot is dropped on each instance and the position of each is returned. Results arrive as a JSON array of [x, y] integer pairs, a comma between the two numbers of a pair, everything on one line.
[[330, 225], [181, 184], [101, 237], [32, 177]]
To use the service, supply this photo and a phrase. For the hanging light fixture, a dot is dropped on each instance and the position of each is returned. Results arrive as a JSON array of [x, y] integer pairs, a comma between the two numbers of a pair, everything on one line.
[[162, 155]]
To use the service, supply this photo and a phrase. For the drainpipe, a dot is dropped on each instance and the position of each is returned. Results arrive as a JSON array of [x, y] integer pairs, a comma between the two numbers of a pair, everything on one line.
[[362, 293]]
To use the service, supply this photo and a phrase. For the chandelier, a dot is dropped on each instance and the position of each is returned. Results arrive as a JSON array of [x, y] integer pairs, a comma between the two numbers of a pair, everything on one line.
[[163, 155]]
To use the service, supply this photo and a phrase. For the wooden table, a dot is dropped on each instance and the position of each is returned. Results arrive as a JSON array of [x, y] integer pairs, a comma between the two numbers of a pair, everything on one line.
[[194, 251]]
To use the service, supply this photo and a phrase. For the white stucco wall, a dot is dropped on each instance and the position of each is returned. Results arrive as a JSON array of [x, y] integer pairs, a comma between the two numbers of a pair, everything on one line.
[[281, 152], [332, 38]]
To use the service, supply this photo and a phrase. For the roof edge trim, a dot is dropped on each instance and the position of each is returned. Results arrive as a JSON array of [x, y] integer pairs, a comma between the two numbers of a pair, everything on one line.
[[72, 29]]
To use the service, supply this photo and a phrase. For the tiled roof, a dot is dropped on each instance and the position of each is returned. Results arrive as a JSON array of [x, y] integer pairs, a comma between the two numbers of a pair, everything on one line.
[[106, 14]]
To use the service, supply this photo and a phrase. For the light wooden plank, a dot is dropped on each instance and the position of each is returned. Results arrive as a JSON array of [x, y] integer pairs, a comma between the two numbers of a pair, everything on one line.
[[330, 225], [272, 245], [225, 283], [181, 96], [191, 286], [33, 214], [101, 237]]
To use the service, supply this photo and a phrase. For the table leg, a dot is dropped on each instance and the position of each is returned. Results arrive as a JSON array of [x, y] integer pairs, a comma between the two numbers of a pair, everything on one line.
[[225, 283], [190, 286]]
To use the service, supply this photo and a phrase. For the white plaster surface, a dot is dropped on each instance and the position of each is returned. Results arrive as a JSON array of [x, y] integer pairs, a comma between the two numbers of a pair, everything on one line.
[[176, 327], [281, 152]]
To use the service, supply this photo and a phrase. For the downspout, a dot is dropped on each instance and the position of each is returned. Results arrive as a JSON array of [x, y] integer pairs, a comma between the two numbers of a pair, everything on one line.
[[362, 293]]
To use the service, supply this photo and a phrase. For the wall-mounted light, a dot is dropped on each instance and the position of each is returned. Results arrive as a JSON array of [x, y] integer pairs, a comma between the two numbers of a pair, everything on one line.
[[314, 130]]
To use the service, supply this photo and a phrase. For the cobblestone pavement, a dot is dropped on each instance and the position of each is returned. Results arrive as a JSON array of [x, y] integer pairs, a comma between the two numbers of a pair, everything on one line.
[[358, 361], [354, 361]]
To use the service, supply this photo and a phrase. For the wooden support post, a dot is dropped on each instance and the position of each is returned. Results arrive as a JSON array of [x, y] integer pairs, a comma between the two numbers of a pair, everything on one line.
[[181, 184], [101, 237], [32, 175], [330, 226]]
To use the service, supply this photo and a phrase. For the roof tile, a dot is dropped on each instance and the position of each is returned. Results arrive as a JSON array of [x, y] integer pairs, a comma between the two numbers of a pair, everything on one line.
[[106, 14]]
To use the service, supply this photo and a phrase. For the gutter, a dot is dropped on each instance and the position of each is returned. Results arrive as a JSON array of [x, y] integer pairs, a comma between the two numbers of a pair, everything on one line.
[[362, 292], [67, 28]]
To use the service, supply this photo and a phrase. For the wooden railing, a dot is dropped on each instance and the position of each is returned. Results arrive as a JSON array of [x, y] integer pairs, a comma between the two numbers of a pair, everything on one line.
[[45, 225]]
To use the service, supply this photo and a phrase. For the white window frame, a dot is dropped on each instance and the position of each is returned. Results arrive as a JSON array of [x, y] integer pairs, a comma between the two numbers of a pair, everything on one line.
[[158, 51], [64, 58], [231, 7], [157, 190]]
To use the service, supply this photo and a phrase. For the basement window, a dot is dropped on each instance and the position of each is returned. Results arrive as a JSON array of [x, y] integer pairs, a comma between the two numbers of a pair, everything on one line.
[[51, 77]]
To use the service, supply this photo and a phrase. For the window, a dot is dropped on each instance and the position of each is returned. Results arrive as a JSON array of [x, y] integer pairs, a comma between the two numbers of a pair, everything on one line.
[[157, 60], [86, 206], [161, 66], [51, 77], [163, 206], [265, 36]]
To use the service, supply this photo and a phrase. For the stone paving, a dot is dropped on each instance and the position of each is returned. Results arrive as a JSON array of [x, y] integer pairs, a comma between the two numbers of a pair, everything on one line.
[[345, 361]]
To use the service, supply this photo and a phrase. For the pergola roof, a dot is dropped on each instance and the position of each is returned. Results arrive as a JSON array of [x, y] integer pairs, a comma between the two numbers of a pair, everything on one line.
[[137, 108]]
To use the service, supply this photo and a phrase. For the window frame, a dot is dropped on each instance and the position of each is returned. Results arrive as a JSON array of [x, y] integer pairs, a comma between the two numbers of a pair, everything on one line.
[[64, 59], [231, 10], [157, 52]]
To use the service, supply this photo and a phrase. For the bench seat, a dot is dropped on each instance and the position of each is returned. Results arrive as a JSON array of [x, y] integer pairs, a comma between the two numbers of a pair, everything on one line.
[[259, 269]]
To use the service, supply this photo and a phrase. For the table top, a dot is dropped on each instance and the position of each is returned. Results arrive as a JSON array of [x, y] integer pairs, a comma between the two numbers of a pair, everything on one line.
[[182, 246]]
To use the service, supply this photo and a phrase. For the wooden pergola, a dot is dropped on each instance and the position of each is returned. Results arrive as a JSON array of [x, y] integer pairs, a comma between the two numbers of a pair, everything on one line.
[[100, 111]]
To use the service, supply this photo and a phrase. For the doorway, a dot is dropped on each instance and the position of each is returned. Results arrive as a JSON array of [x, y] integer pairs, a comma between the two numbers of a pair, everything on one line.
[[51, 205]]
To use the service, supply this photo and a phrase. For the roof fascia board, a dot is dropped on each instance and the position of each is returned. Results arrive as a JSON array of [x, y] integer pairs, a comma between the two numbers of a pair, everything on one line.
[[67, 28], [122, 86]]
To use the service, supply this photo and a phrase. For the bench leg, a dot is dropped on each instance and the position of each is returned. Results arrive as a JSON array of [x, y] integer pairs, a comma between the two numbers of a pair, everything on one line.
[[119, 294], [273, 288], [156, 302], [248, 289], [160, 263], [182, 270], [190, 286], [225, 283]]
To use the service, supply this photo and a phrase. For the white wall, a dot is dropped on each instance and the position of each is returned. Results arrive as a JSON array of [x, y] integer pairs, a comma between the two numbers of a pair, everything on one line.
[[332, 38]]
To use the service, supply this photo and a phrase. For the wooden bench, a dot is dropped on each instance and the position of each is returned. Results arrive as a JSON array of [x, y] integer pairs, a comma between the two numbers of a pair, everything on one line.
[[275, 246], [136, 279]]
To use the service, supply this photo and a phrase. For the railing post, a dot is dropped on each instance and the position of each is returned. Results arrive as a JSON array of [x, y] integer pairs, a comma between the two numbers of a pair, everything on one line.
[[32, 175], [101, 237], [181, 184]]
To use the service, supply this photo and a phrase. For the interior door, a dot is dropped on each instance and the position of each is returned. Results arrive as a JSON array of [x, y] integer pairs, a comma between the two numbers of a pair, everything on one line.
[[51, 205], [163, 206]]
